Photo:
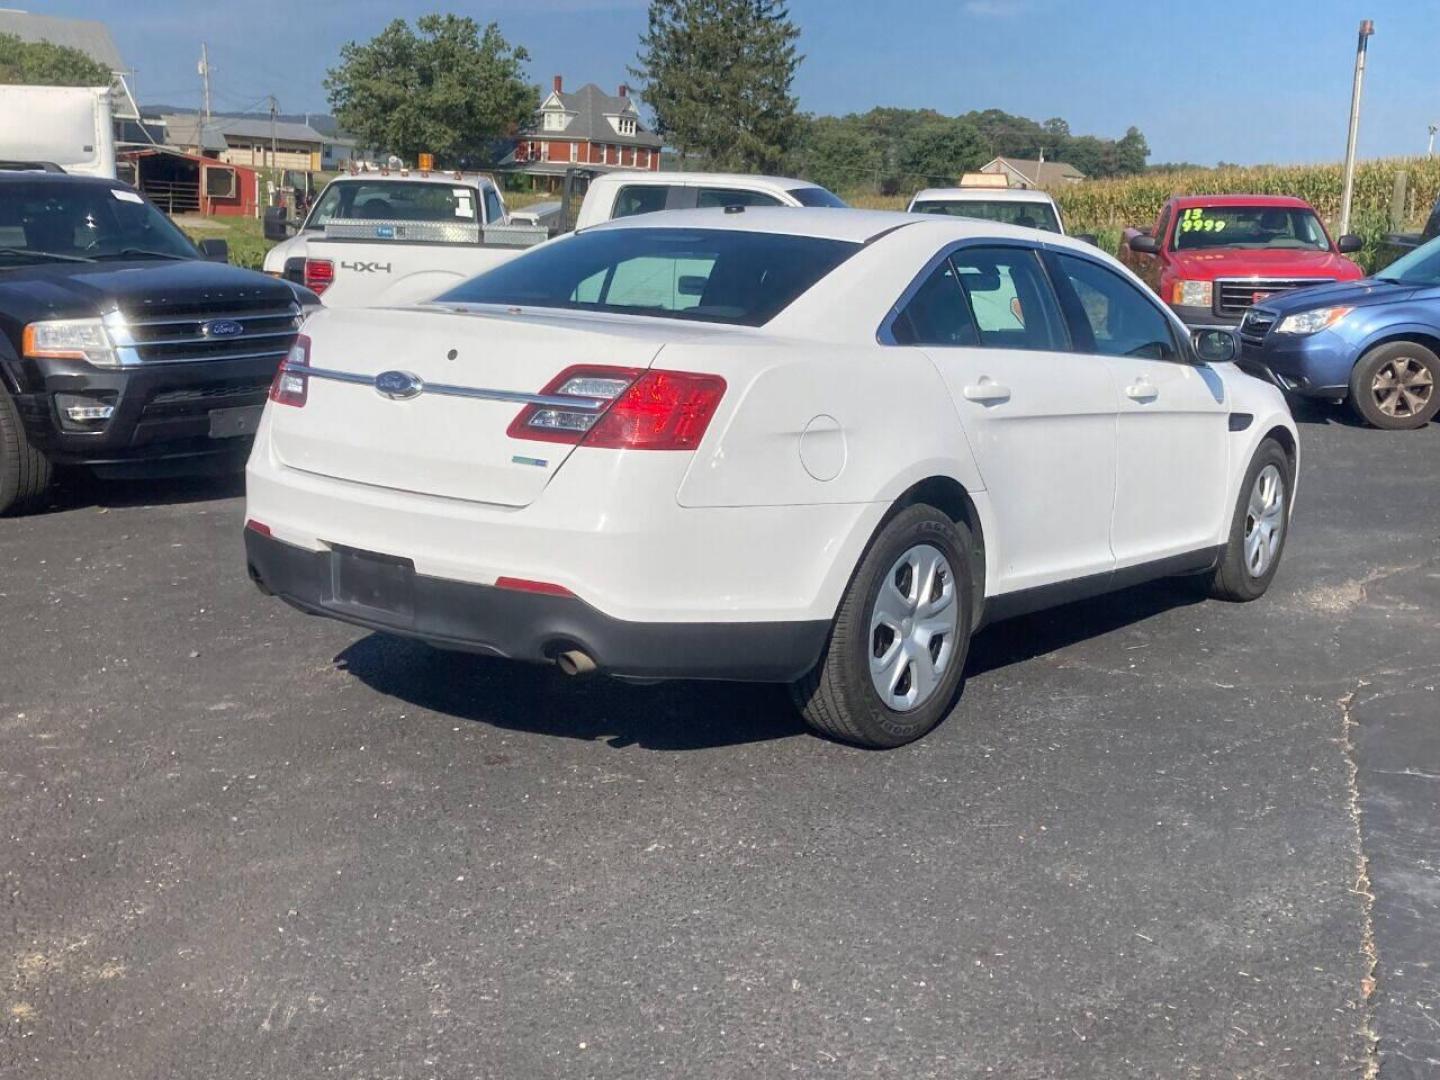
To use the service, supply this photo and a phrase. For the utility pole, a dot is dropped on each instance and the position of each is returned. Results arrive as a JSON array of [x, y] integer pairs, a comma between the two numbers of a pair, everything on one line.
[[205, 78], [1430, 146], [1367, 27], [274, 161]]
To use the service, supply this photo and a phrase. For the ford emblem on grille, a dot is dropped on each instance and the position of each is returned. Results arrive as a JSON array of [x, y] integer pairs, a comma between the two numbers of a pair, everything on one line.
[[398, 385], [222, 328]]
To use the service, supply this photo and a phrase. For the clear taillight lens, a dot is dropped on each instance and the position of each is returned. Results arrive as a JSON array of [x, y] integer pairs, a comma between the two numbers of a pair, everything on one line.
[[291, 387]]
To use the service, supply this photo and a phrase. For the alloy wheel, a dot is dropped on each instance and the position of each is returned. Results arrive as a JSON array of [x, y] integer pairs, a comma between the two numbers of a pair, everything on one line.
[[913, 623], [1264, 521], [1402, 387]]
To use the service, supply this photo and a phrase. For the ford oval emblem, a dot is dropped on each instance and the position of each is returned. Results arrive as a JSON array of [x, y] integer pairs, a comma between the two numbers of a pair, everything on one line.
[[222, 328], [398, 385]]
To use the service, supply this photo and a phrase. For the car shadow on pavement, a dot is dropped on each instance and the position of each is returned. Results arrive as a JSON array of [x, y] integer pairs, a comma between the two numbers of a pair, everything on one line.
[[1028, 636], [540, 700], [691, 715], [78, 490]]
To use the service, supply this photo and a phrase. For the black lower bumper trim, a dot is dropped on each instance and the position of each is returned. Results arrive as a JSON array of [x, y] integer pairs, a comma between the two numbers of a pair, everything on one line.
[[536, 627]]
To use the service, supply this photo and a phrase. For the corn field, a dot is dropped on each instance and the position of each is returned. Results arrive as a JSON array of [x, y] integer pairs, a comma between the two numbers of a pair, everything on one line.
[[1105, 207]]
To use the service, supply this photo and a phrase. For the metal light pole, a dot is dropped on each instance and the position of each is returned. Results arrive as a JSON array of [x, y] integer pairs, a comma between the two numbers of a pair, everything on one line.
[[1367, 27]]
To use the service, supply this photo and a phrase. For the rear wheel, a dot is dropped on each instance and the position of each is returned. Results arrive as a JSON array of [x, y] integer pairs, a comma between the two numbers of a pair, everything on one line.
[[1394, 386], [1258, 528], [24, 471], [896, 654]]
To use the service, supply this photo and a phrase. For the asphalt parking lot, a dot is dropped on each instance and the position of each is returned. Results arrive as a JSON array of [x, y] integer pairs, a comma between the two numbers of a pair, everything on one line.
[[1160, 837]]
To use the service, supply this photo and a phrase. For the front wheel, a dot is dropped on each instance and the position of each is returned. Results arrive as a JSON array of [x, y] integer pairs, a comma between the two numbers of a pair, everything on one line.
[[24, 471], [1259, 527], [892, 668], [1393, 386]]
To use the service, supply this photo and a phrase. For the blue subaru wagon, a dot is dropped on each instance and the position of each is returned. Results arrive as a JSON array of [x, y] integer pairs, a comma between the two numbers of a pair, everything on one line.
[[1373, 342]]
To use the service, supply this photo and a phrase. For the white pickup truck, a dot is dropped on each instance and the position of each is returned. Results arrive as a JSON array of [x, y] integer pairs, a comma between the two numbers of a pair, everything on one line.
[[396, 238]]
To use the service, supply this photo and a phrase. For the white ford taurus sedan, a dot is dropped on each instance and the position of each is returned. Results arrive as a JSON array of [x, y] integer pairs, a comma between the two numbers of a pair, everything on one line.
[[815, 447]]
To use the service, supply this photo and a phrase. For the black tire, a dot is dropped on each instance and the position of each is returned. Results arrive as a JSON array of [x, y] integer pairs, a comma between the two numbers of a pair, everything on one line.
[[838, 698], [1375, 393], [24, 471], [1235, 579]]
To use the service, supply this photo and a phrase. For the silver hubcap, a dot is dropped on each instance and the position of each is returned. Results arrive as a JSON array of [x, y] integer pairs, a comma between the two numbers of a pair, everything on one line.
[[1264, 521], [912, 628], [1402, 387]]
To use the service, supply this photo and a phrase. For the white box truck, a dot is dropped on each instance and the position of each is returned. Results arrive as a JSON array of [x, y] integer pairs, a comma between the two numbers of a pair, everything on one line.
[[69, 126]]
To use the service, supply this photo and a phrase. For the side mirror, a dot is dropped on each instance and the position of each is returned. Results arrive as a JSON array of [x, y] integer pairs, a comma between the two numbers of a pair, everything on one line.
[[276, 224], [1145, 245], [1088, 237], [1348, 244], [215, 250], [1215, 346]]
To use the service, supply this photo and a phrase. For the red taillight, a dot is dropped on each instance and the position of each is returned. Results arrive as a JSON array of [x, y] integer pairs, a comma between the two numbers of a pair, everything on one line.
[[544, 588], [291, 387], [647, 410], [319, 274], [258, 527]]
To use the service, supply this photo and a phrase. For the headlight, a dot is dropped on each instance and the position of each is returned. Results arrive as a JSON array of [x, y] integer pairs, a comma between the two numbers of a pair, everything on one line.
[[70, 339], [1192, 293], [1312, 322]]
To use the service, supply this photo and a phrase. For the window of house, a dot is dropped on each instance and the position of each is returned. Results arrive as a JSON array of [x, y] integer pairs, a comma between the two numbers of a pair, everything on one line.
[[554, 121], [574, 151], [626, 125]]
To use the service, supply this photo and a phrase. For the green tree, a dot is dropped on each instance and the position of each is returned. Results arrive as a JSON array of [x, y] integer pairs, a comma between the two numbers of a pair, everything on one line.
[[446, 87], [717, 75], [839, 155], [41, 63], [1131, 153]]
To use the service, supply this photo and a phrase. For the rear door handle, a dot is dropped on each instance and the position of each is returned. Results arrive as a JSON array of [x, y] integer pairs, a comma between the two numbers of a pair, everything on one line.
[[987, 391], [1142, 391]]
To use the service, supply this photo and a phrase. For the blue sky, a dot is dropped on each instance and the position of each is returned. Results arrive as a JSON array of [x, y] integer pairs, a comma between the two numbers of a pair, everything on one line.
[[1227, 79]]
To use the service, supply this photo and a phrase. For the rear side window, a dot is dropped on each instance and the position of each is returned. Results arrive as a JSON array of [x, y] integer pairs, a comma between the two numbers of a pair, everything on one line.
[[494, 212], [1010, 298], [640, 199], [732, 197], [710, 275], [1120, 320], [937, 314], [818, 196]]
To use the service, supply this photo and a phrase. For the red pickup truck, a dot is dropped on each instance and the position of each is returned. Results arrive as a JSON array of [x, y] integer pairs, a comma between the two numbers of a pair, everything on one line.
[[1211, 256]]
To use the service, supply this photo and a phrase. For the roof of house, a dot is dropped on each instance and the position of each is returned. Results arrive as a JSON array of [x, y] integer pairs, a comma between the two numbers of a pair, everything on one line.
[[187, 129], [590, 106], [90, 36], [1040, 173], [244, 128]]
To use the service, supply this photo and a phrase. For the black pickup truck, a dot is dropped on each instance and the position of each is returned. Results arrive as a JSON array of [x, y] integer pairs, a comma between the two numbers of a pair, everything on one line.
[[123, 346]]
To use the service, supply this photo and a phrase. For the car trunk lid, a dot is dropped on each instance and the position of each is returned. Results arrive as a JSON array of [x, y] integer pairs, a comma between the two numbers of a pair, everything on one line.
[[420, 400]]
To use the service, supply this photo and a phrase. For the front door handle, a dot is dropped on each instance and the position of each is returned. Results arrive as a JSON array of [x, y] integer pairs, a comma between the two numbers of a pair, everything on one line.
[[1142, 391], [987, 391]]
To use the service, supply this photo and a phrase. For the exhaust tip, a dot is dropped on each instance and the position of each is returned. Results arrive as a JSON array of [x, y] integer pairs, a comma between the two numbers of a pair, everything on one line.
[[575, 662]]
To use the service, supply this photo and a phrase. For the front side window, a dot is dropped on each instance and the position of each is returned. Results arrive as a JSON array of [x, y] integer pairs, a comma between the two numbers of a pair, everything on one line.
[[710, 275], [1028, 215], [56, 222], [393, 200], [1119, 317], [1201, 227], [732, 197], [1010, 299], [641, 199]]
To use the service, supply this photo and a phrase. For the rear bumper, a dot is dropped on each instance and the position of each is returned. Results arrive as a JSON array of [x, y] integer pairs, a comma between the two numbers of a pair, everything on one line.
[[161, 413], [536, 627]]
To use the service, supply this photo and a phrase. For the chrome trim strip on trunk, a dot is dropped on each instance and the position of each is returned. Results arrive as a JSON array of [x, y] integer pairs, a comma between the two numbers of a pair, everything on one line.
[[562, 401]]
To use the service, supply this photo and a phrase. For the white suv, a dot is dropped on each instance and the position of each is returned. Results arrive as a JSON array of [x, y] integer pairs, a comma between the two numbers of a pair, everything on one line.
[[784, 445]]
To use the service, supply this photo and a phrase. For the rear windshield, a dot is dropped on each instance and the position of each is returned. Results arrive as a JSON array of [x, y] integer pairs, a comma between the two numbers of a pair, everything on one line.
[[394, 200], [708, 275], [1029, 215], [817, 196], [1249, 227]]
